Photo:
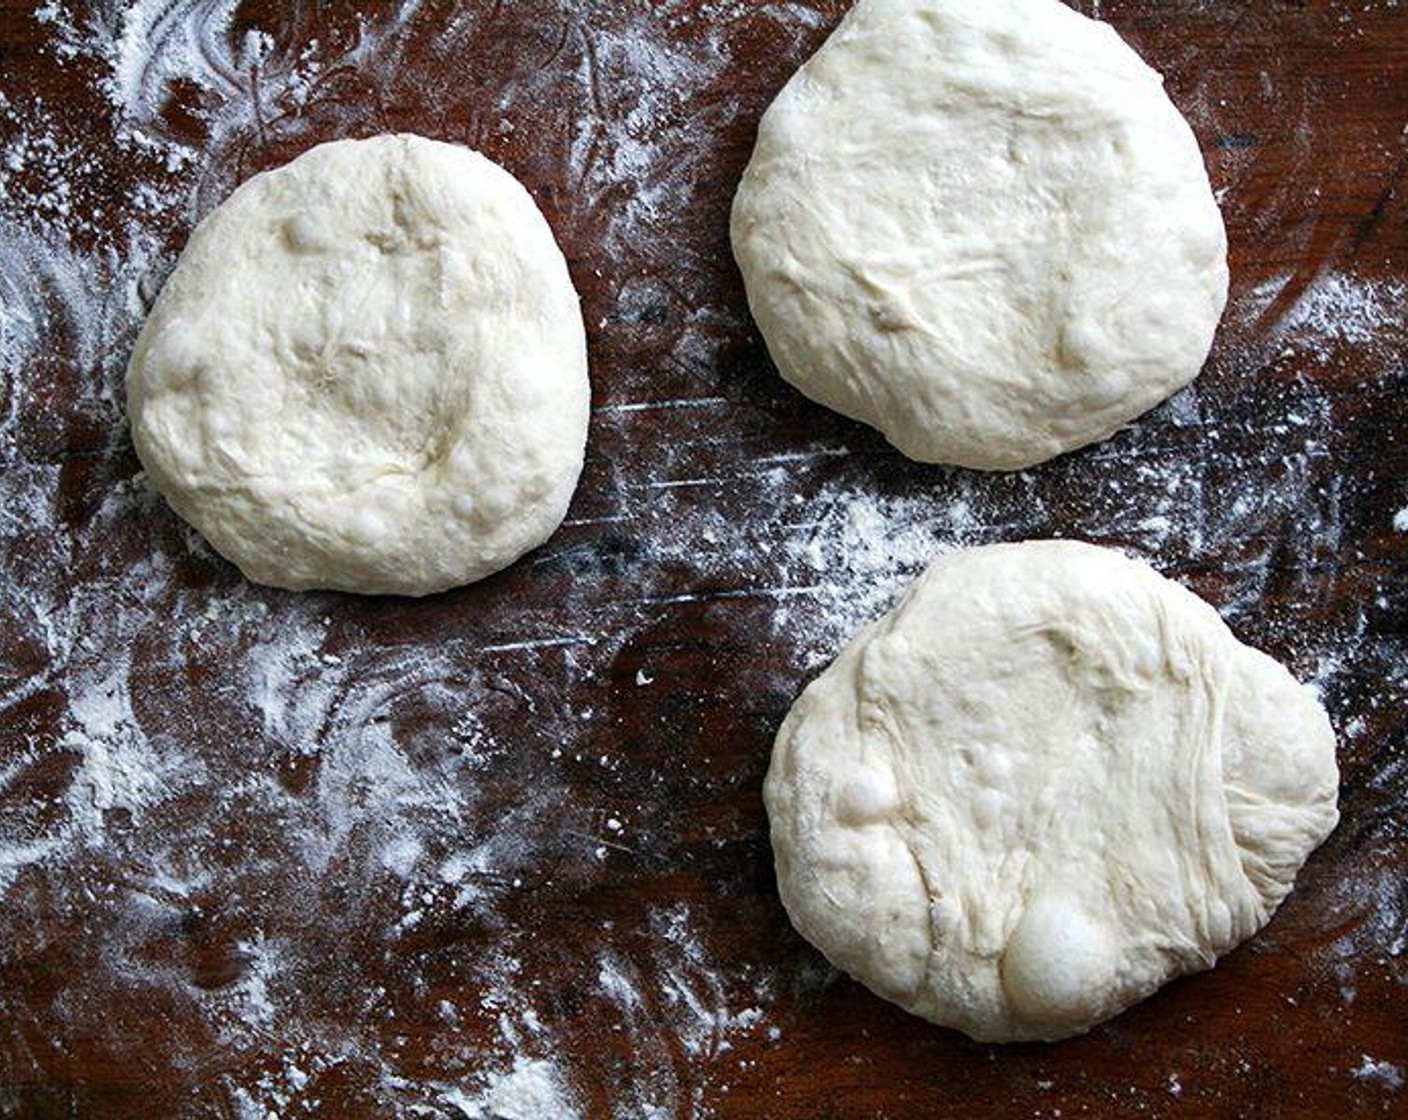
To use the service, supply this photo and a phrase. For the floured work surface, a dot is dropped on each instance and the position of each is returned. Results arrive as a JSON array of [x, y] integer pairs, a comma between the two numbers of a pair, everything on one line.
[[503, 852]]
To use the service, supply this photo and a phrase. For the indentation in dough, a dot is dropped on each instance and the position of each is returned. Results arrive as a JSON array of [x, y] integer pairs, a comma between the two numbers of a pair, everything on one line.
[[1067, 833], [987, 264]]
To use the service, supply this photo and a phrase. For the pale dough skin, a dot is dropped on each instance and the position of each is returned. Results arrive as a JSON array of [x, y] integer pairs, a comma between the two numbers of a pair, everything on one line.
[[982, 228], [368, 372], [1047, 783]]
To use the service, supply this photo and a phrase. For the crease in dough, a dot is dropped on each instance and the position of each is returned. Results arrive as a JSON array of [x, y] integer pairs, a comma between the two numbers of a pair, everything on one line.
[[368, 372], [982, 228], [1076, 786]]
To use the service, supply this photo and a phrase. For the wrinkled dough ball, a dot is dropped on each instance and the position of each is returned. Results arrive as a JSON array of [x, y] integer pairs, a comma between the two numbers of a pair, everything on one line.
[[982, 228], [1047, 783], [367, 373]]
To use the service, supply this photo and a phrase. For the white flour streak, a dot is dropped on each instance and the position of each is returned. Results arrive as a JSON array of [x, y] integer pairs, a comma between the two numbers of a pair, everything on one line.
[[660, 82], [258, 806], [1384, 1074], [861, 552], [159, 45], [531, 1089], [679, 1013], [1342, 310], [120, 769], [693, 988]]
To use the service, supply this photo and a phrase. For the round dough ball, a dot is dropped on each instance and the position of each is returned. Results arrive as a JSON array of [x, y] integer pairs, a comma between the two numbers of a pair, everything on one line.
[[368, 372], [1046, 784], [982, 228]]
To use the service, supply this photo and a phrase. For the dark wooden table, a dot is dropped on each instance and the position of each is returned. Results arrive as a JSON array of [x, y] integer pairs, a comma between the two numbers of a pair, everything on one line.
[[503, 852]]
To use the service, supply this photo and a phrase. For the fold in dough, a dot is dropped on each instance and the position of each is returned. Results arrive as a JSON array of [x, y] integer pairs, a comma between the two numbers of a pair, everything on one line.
[[1047, 783]]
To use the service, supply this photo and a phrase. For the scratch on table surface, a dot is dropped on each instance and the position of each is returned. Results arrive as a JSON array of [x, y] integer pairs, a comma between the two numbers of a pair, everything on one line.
[[806, 456], [601, 840], [673, 402], [329, 764], [731, 595], [578, 522], [540, 643], [684, 483]]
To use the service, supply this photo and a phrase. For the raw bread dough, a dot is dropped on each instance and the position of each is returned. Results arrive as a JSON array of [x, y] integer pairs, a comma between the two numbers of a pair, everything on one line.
[[982, 228], [368, 372], [1047, 783]]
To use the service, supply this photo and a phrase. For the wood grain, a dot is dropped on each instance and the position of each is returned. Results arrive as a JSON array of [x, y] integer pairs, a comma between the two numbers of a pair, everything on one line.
[[1300, 109]]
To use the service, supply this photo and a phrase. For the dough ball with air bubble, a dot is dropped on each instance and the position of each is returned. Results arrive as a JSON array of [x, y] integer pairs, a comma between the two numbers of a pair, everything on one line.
[[1047, 783], [368, 372]]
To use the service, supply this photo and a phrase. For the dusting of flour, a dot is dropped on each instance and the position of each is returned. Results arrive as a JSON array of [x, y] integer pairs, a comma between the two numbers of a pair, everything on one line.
[[1384, 1074], [330, 831]]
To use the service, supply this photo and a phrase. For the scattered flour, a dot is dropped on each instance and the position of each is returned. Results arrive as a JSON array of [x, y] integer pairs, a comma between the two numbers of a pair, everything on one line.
[[1385, 1074], [532, 1089], [1338, 308], [252, 810], [231, 762]]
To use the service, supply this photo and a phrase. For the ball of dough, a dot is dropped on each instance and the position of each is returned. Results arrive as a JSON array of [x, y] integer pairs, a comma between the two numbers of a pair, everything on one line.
[[368, 372], [1046, 784], [982, 228]]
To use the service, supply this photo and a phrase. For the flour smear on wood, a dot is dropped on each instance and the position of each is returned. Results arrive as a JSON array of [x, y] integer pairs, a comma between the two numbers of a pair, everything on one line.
[[380, 789]]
